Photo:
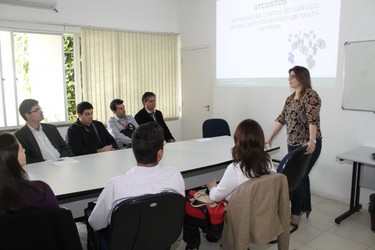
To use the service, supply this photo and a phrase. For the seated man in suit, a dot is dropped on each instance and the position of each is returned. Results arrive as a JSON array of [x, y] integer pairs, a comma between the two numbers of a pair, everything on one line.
[[120, 125], [150, 114], [41, 141], [148, 177], [87, 136]]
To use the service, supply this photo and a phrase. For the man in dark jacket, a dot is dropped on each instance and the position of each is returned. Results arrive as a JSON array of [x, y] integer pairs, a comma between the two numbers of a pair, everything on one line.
[[87, 136], [150, 114], [41, 141]]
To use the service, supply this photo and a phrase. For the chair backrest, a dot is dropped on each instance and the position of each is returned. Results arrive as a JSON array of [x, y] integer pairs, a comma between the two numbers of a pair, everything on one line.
[[294, 165], [258, 212], [152, 221], [50, 228], [215, 127]]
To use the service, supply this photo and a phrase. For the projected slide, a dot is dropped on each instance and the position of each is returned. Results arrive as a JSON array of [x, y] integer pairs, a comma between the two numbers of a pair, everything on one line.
[[258, 41]]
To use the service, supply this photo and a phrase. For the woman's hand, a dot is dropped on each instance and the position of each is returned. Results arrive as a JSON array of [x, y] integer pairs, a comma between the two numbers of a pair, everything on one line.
[[211, 184], [310, 147]]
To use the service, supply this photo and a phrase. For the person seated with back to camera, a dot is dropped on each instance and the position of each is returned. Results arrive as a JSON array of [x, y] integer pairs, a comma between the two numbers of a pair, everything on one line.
[[88, 136], [17, 192], [41, 141], [249, 161], [121, 126], [148, 177]]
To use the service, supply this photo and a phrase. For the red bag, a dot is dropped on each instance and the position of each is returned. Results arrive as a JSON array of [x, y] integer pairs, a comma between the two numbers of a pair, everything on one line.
[[197, 200]]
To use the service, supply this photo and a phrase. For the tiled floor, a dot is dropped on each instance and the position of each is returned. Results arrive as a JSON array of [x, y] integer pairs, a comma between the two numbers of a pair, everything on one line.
[[319, 232]]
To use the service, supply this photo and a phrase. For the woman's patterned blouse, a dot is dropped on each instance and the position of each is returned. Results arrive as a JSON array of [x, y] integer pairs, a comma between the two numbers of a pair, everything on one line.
[[298, 114]]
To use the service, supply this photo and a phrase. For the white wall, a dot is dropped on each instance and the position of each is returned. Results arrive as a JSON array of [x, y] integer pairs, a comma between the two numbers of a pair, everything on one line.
[[140, 15], [195, 20], [342, 130]]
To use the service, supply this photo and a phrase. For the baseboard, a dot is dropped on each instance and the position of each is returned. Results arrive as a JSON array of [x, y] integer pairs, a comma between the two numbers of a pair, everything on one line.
[[339, 198]]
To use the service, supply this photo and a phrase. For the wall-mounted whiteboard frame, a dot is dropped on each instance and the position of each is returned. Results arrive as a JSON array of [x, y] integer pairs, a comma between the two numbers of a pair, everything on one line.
[[359, 76]]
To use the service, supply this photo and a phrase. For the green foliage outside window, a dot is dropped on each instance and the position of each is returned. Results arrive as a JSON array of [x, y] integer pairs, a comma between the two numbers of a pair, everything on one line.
[[69, 77], [22, 60]]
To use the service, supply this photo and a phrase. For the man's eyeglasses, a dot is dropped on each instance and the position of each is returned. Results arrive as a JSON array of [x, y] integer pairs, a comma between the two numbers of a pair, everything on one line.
[[292, 77], [35, 110]]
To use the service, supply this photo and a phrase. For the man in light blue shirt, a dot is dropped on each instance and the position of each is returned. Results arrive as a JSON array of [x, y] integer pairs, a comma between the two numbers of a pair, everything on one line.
[[120, 125]]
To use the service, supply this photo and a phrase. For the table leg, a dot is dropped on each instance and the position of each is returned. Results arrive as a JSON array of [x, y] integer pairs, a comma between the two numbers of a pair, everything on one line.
[[358, 206], [354, 196]]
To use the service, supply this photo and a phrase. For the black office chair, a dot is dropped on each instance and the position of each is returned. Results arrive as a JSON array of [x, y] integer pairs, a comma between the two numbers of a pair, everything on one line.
[[42, 229], [215, 127], [294, 165], [152, 221]]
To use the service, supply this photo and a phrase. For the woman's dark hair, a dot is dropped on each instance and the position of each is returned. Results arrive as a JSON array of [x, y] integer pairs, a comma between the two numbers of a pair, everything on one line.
[[11, 176], [248, 150], [303, 76]]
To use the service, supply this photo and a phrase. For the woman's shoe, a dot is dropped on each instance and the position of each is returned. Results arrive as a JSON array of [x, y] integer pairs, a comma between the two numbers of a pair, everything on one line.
[[295, 220]]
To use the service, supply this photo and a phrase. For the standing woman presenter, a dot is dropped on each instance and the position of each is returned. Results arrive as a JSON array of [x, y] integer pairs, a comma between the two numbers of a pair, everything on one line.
[[301, 117]]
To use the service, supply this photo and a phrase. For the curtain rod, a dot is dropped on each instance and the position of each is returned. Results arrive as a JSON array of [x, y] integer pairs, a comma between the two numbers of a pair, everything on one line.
[[66, 25]]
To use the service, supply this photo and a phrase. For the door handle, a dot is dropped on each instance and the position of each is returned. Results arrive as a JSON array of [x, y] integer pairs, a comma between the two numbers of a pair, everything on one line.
[[207, 107]]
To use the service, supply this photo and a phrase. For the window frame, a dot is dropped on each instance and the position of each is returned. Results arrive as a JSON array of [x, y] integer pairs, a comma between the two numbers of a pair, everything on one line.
[[46, 29], [75, 30]]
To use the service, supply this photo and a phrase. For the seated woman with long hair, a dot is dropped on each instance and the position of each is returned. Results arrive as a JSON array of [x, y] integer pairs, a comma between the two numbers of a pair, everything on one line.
[[249, 161], [17, 192]]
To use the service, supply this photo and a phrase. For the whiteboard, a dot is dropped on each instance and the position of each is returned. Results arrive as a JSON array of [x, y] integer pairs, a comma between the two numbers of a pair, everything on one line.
[[359, 76]]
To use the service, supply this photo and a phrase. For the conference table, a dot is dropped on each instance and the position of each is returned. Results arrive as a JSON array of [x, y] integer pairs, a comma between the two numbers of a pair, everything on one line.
[[359, 156], [81, 178]]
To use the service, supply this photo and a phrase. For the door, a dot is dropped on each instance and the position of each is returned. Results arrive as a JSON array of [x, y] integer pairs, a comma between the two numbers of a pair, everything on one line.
[[196, 90]]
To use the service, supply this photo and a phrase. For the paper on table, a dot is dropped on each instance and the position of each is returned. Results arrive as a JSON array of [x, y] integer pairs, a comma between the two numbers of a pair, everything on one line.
[[64, 161], [204, 139]]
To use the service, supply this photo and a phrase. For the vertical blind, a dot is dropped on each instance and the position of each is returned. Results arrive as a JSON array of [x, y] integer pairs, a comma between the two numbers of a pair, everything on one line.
[[124, 65]]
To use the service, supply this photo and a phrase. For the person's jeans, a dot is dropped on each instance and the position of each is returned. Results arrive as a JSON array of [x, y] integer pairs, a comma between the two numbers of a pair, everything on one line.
[[301, 196]]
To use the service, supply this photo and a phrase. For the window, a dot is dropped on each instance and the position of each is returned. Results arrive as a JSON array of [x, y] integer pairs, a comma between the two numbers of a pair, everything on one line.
[[46, 66], [36, 66]]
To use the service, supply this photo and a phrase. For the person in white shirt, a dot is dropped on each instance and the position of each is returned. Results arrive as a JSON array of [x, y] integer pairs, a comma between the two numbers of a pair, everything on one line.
[[249, 162], [120, 125], [148, 177], [41, 141]]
